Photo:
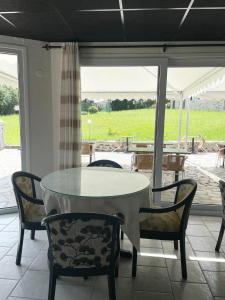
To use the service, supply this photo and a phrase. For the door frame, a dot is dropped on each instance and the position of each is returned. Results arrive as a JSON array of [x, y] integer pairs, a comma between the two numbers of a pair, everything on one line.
[[21, 53]]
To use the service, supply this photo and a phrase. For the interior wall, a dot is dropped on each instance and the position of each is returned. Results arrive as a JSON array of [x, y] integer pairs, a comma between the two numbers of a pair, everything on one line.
[[38, 90]]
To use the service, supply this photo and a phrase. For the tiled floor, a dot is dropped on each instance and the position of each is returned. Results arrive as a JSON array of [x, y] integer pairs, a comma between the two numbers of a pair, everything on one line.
[[158, 273]]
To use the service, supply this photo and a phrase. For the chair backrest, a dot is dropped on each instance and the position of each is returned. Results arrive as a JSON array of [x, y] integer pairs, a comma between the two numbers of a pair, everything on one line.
[[141, 145], [105, 163], [83, 242], [144, 161], [175, 162], [221, 150], [222, 190], [87, 149], [185, 193], [25, 193]]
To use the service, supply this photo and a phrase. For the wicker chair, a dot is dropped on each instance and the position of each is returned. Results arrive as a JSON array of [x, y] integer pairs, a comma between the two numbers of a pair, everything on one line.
[[174, 163], [169, 223], [220, 237], [31, 209], [143, 162], [88, 149], [105, 163], [221, 154], [83, 244]]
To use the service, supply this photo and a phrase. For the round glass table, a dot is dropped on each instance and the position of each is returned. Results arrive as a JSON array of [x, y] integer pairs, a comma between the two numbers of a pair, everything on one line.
[[98, 189]]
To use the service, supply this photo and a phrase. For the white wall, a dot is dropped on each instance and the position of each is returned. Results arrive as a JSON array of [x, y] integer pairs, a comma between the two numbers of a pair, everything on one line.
[[38, 101]]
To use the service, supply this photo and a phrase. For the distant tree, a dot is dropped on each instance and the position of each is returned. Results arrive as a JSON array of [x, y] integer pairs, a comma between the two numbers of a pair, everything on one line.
[[8, 100], [93, 109]]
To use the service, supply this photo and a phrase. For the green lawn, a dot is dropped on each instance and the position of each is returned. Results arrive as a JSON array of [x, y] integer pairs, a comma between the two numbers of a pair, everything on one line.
[[137, 123], [11, 129]]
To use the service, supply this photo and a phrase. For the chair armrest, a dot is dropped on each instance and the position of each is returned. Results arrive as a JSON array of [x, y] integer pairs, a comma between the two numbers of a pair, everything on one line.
[[164, 188], [162, 210]]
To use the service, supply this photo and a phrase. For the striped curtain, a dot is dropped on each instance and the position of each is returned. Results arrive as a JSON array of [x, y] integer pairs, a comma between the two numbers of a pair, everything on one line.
[[70, 144]]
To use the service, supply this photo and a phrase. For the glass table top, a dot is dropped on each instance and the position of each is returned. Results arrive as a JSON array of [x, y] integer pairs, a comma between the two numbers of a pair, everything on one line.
[[95, 182]]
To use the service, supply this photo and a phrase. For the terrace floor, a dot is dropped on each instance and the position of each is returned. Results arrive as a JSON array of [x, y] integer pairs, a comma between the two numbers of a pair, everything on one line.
[[201, 167], [158, 272]]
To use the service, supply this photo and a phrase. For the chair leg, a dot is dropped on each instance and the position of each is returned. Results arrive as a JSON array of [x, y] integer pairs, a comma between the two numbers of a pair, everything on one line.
[[117, 269], [134, 262], [52, 285], [32, 234], [175, 245], [220, 237], [183, 258], [20, 247], [112, 287], [122, 235]]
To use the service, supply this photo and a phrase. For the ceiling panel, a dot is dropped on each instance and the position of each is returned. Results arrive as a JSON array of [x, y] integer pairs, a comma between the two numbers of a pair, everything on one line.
[[96, 26], [43, 26], [203, 25], [85, 4], [151, 25], [24, 5], [209, 3], [155, 3]]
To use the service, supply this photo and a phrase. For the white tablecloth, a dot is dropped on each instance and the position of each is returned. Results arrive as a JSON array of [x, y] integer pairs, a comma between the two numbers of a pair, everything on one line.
[[128, 205]]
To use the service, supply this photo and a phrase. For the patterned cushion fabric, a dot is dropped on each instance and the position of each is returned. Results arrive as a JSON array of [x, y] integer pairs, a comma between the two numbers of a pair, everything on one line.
[[162, 222], [81, 243], [32, 212]]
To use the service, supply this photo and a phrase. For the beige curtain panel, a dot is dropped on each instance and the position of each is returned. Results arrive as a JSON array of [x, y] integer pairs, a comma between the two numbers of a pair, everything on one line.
[[70, 143]]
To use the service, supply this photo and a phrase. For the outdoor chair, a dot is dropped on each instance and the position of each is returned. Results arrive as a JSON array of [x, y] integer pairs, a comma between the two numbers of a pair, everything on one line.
[[201, 145], [174, 162], [221, 154], [168, 223], [142, 162], [222, 190], [88, 149], [31, 209], [83, 244], [105, 163]]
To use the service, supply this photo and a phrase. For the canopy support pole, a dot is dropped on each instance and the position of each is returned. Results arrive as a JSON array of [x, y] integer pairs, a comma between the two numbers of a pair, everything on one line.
[[180, 118], [187, 121]]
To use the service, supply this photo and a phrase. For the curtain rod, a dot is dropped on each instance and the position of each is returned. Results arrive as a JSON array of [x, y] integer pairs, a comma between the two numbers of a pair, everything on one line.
[[164, 46]]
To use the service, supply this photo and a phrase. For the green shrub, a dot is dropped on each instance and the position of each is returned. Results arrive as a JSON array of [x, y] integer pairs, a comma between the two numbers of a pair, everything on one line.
[[92, 109], [8, 100]]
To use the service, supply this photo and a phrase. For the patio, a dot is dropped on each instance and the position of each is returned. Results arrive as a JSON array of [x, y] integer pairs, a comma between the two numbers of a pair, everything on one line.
[[195, 167]]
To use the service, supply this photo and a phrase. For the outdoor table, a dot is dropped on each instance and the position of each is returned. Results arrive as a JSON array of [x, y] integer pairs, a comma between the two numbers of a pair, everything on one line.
[[150, 149], [127, 137], [101, 190]]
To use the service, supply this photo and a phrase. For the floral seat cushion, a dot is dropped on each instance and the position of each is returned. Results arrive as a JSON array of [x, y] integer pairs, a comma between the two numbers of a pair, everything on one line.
[[162, 222], [32, 212]]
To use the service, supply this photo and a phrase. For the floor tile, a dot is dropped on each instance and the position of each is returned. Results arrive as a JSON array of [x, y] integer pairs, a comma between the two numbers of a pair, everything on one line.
[[71, 292], [31, 248], [3, 251], [13, 226], [8, 239], [7, 218], [40, 263], [34, 284], [152, 296], [198, 230], [202, 243], [6, 286], [194, 273], [211, 261], [191, 291], [216, 282], [9, 269], [151, 261], [195, 220], [168, 249], [150, 243], [152, 279]]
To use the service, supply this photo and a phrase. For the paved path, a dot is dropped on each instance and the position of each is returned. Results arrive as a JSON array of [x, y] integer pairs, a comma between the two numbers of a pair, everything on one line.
[[198, 166]]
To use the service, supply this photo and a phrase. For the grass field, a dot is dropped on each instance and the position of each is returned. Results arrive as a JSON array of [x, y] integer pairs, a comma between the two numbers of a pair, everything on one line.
[[137, 123]]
